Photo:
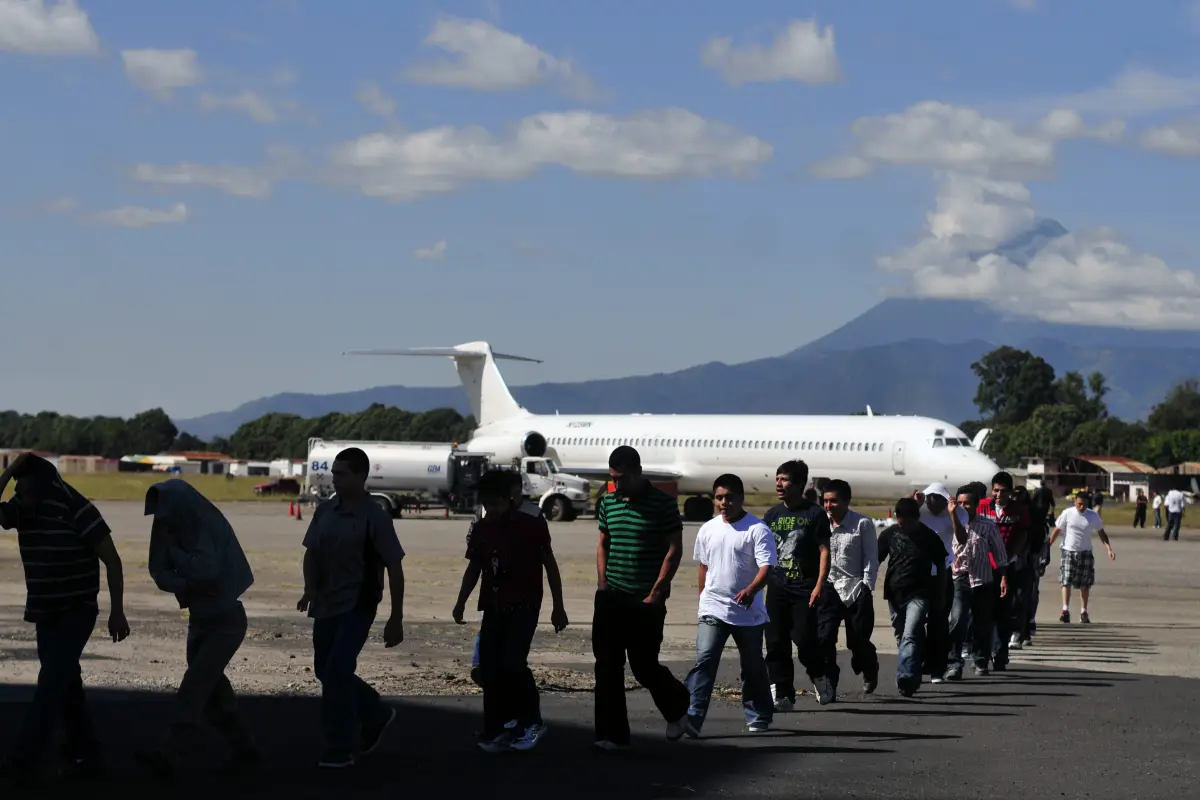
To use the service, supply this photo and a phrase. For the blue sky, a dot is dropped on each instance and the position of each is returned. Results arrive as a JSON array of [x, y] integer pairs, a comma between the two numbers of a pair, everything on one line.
[[206, 201]]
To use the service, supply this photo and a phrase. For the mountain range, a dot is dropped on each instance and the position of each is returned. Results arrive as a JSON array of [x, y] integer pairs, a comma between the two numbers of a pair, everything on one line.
[[903, 356]]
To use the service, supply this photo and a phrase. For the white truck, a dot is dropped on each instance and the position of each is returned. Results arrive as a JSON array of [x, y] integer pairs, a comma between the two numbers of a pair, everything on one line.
[[404, 474]]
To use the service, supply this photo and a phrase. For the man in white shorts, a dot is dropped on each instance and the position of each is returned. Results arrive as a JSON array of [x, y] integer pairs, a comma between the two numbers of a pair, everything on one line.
[[1077, 565]]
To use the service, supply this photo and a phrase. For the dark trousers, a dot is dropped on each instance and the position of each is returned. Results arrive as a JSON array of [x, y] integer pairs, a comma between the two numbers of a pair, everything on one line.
[[813, 630], [59, 697], [347, 702], [1174, 521], [1139, 516], [623, 625], [509, 690], [205, 694], [859, 618], [1021, 584], [971, 613], [937, 627], [1002, 614]]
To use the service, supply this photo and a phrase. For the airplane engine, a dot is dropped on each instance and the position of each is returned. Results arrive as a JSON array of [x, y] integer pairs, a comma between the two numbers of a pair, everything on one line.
[[533, 445]]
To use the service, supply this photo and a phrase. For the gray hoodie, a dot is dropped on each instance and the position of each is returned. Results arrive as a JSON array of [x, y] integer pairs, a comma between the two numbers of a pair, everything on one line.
[[191, 542]]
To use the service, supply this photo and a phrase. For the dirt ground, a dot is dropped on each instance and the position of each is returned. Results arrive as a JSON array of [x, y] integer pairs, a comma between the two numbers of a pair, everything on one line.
[[1144, 606]]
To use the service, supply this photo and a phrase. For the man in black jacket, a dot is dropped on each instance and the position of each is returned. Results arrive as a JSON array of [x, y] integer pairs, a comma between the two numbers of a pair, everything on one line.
[[912, 587]]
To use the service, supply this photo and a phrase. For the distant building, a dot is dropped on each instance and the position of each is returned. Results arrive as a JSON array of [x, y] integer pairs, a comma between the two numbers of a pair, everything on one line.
[[7, 457], [208, 463], [289, 468], [1119, 478], [83, 465], [246, 469]]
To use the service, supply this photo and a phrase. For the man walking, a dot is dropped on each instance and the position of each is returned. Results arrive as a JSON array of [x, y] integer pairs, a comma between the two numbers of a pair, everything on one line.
[[736, 552], [853, 568], [1012, 520], [1077, 564], [1139, 514], [63, 540], [912, 586], [1042, 506], [1175, 503], [641, 545], [195, 555], [349, 543], [1157, 503], [977, 544], [934, 515]]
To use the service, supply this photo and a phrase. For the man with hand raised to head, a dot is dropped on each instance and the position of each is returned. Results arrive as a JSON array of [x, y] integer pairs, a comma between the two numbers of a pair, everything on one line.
[[350, 541]]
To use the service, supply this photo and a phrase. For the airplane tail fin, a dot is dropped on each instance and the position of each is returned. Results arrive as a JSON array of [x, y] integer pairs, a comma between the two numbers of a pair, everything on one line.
[[488, 395]]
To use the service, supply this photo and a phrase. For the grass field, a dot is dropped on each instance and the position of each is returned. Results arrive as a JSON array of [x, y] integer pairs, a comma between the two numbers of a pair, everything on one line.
[[133, 485]]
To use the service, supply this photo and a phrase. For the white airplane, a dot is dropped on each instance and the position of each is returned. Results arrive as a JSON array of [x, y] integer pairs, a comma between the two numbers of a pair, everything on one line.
[[880, 456]]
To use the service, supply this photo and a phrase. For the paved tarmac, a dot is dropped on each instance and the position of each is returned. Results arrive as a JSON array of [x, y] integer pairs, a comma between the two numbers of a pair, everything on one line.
[[1033, 732]]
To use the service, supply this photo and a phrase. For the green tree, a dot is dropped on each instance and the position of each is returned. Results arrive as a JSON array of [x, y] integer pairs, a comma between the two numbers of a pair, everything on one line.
[[1179, 410], [1012, 385]]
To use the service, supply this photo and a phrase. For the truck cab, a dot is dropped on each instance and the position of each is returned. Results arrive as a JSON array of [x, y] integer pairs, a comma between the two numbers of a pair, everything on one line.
[[562, 497]]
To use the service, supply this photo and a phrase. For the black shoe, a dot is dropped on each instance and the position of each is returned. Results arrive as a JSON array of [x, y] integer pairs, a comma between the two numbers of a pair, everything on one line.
[[997, 667], [1064, 617], [336, 759], [1084, 618], [870, 682], [373, 735]]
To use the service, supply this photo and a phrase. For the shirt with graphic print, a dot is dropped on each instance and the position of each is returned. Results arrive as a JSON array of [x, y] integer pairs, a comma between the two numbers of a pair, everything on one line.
[[799, 534]]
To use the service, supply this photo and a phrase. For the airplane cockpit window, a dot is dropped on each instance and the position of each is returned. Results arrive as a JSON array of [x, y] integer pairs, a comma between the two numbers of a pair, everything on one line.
[[938, 443], [951, 442]]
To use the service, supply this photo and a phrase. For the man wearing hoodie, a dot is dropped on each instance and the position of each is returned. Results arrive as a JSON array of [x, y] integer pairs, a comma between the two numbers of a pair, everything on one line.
[[195, 555]]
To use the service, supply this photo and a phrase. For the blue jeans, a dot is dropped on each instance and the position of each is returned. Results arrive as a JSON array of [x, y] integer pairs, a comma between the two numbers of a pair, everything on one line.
[[711, 635], [347, 702], [59, 695], [908, 623]]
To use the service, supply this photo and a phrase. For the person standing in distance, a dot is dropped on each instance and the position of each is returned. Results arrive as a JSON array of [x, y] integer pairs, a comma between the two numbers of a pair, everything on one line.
[[735, 551], [1175, 503], [803, 610], [349, 543], [63, 540], [853, 568], [195, 555], [1076, 564], [641, 545]]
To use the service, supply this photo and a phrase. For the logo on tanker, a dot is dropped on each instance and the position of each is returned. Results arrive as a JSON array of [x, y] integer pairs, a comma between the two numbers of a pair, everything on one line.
[[378, 467], [434, 469]]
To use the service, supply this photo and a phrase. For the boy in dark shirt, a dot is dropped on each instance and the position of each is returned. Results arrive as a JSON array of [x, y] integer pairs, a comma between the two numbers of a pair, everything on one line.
[[509, 549], [803, 609], [912, 587]]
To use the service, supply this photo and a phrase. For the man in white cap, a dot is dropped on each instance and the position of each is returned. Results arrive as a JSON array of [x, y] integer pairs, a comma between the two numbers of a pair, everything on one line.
[[935, 516]]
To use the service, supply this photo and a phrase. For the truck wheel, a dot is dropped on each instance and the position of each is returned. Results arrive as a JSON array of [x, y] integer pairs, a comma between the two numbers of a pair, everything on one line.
[[556, 509]]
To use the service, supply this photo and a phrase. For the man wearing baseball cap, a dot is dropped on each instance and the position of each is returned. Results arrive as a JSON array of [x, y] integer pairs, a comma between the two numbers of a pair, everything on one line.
[[935, 517]]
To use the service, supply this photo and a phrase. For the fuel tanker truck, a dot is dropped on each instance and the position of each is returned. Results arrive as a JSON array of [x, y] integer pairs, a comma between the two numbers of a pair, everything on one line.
[[422, 474]]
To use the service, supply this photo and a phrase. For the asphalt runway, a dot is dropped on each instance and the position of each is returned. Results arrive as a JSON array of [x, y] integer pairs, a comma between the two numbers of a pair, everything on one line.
[[1033, 732]]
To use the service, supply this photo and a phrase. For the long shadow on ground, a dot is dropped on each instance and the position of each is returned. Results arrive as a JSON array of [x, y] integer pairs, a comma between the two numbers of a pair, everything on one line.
[[1072, 734]]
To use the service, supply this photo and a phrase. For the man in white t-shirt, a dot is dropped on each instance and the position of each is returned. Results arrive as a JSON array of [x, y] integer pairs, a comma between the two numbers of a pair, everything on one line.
[[1156, 502], [1077, 565], [736, 551], [1175, 504]]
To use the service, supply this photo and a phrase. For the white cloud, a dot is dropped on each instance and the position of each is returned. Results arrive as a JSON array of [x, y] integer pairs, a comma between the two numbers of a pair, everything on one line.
[[801, 52], [140, 217], [490, 59], [375, 100], [234, 180], [435, 253], [58, 29], [1136, 91], [160, 72], [1180, 138], [1085, 277], [660, 144], [259, 108], [943, 136]]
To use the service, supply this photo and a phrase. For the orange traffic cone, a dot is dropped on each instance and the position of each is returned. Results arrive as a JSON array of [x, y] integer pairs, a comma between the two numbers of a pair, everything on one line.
[[291, 508]]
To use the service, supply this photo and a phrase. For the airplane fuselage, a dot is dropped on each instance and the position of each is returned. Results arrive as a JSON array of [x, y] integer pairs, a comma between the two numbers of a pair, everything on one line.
[[880, 456]]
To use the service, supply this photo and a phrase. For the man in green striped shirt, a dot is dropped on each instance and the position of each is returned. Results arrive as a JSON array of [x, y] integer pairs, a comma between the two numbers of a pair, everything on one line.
[[641, 544]]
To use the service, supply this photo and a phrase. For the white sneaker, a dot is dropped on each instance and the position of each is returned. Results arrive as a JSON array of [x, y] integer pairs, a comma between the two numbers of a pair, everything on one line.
[[757, 727], [1014, 643], [681, 726], [937, 679], [529, 738], [785, 705]]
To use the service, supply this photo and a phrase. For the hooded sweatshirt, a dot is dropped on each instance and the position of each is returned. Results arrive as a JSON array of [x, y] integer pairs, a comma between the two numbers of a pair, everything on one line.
[[192, 542]]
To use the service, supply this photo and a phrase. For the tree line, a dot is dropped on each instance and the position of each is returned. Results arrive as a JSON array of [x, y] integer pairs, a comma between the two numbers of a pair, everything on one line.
[[270, 436], [1033, 412]]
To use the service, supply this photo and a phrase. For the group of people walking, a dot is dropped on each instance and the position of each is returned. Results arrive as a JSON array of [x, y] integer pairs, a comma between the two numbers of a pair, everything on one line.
[[961, 584]]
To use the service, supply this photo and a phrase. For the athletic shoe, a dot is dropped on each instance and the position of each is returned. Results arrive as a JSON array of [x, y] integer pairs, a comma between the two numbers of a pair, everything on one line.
[[1028, 642], [982, 671], [758, 727], [937, 679], [785, 705], [1064, 616], [1084, 618], [826, 694], [1014, 642], [372, 735], [681, 726], [870, 681], [500, 743], [606, 746], [954, 674], [336, 759], [529, 738]]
